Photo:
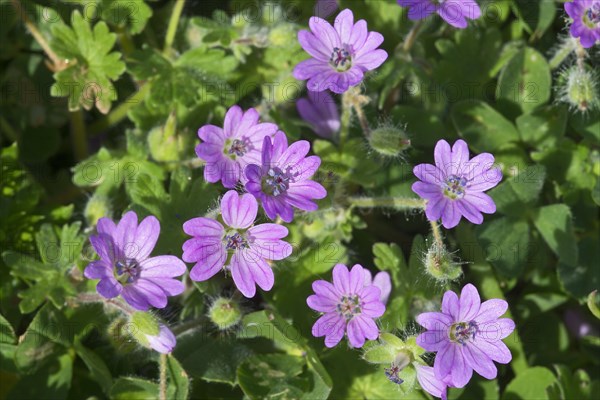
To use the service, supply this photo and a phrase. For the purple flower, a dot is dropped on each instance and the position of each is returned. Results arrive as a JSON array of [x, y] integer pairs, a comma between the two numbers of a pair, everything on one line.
[[320, 111], [467, 335], [382, 281], [341, 53], [283, 179], [164, 342], [348, 306], [228, 150], [238, 246], [454, 186], [454, 12], [586, 20], [125, 267], [324, 8], [432, 385]]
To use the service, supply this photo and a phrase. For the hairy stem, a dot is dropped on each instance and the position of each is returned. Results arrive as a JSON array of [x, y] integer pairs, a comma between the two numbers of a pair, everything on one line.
[[563, 52], [398, 203], [345, 119], [57, 62], [172, 28], [163, 377], [437, 234], [411, 37]]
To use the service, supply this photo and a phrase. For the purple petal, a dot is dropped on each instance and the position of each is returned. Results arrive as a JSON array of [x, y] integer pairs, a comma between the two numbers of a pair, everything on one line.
[[372, 42], [452, 14], [429, 382], [326, 290], [171, 287], [238, 212], [249, 119], [209, 152], [479, 361], [108, 287], [325, 324], [469, 211], [435, 207], [324, 8], [496, 350], [430, 174], [242, 276], [450, 215], [496, 330], [450, 360], [209, 263], [135, 299], [433, 340], [162, 267], [360, 328], [125, 232], [384, 283], [203, 227], [262, 273], [372, 60], [470, 303], [460, 156], [233, 117], [146, 236], [491, 310], [443, 156], [450, 305], [341, 278], [294, 154], [343, 24], [153, 294], [211, 134], [336, 334], [357, 279], [324, 32], [373, 309], [324, 79], [98, 270], [106, 226], [321, 304], [435, 321], [481, 201], [308, 69], [164, 342], [104, 247]]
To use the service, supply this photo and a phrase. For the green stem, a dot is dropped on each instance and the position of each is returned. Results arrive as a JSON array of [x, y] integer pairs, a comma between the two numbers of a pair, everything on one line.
[[398, 203], [437, 234], [172, 28], [362, 119], [8, 130], [563, 52], [411, 37], [79, 135], [119, 112], [163, 377], [345, 119], [127, 45]]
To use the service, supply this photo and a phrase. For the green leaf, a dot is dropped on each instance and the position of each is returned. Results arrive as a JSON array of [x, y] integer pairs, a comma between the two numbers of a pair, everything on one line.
[[44, 339], [525, 83], [98, 369], [178, 381], [506, 244], [573, 385], [543, 127], [273, 376], [389, 257], [516, 195], [593, 304], [8, 346], [536, 16], [484, 128], [554, 222], [379, 355], [581, 279], [530, 384], [130, 15], [134, 389], [52, 381], [87, 80]]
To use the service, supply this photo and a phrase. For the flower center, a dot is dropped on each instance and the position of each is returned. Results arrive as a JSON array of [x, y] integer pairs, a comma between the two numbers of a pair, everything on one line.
[[276, 182], [593, 15], [238, 147], [340, 59], [128, 271], [235, 241], [462, 332], [349, 306], [455, 187]]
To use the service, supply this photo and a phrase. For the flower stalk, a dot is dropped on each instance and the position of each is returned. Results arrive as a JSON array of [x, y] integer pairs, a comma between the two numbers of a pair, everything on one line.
[[398, 203], [172, 27], [163, 377]]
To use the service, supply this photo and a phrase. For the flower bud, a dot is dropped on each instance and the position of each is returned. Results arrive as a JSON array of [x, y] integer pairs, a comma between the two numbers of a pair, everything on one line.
[[150, 333], [580, 88], [440, 264], [98, 206], [225, 313], [165, 144], [389, 141]]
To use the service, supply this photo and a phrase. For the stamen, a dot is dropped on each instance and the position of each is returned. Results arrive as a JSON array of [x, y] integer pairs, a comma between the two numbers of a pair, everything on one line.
[[128, 271], [238, 147], [276, 182], [340, 59], [463, 331], [349, 306], [455, 187], [235, 241]]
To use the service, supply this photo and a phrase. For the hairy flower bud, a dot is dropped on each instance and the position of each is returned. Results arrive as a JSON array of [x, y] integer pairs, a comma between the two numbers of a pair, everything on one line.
[[389, 141], [98, 206], [440, 264], [580, 88], [225, 313]]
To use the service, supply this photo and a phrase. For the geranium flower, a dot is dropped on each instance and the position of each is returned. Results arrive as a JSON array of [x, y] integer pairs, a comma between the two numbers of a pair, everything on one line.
[[282, 180], [454, 186], [236, 245], [586, 21], [228, 150], [348, 305], [454, 12], [341, 53], [125, 267], [467, 335]]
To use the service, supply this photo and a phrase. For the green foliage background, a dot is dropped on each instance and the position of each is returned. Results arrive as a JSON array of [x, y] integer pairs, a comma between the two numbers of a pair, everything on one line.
[[110, 125]]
